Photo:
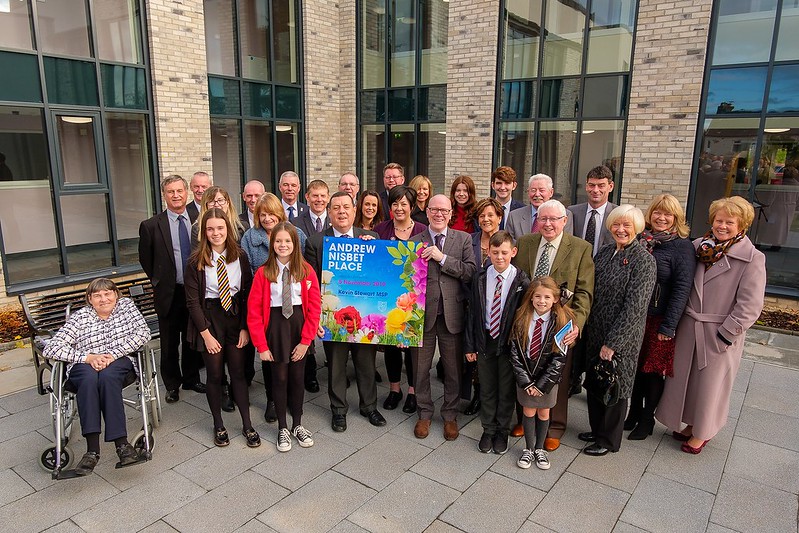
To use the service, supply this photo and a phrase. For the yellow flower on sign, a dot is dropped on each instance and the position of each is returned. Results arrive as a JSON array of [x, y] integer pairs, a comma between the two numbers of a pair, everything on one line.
[[396, 319]]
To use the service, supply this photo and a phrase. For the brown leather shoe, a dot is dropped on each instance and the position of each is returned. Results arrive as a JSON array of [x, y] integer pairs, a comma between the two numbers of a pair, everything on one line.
[[517, 431], [422, 428], [451, 430], [551, 445]]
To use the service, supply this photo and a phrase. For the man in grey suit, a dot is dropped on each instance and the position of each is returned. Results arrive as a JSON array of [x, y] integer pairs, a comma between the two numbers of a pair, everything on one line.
[[450, 264], [289, 186], [598, 186], [342, 215], [523, 221], [315, 219], [253, 190]]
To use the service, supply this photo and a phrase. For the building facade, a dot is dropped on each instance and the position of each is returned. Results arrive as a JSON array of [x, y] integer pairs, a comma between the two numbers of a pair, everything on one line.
[[106, 97]]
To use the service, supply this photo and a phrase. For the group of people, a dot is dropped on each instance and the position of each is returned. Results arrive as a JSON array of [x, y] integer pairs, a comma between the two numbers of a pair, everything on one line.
[[521, 301]]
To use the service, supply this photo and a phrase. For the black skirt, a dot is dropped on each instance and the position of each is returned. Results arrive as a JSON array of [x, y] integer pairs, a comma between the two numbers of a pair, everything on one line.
[[283, 334]]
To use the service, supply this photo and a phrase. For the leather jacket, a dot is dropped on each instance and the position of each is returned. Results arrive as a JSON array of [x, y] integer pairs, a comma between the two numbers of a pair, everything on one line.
[[543, 372]]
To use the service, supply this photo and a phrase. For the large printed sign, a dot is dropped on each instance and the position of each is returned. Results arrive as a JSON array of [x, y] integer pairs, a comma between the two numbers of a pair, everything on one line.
[[373, 291]]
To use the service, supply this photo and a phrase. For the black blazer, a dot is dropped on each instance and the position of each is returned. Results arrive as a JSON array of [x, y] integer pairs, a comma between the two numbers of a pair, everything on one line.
[[546, 370], [191, 209], [313, 247], [158, 260], [245, 221], [475, 315], [305, 223]]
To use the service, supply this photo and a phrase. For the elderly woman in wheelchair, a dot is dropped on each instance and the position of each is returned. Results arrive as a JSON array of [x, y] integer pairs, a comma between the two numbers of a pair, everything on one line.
[[98, 343]]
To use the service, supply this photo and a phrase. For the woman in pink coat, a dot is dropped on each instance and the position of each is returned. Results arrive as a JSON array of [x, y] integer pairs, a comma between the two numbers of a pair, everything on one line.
[[726, 299]]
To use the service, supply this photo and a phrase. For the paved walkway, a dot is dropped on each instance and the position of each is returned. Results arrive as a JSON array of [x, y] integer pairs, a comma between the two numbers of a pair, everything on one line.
[[383, 479]]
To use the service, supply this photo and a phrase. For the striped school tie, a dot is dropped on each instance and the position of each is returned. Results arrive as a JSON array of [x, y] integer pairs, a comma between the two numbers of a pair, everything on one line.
[[496, 309], [535, 343], [224, 284]]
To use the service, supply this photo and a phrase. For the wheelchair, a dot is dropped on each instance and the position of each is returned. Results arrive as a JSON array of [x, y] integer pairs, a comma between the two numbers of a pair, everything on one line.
[[63, 407]]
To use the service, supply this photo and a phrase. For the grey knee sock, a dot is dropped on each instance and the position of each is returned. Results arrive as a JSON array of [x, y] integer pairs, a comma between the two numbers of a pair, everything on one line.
[[541, 427], [529, 424]]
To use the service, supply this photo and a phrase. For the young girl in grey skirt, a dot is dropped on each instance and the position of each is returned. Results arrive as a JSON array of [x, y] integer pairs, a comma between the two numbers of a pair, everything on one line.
[[538, 363]]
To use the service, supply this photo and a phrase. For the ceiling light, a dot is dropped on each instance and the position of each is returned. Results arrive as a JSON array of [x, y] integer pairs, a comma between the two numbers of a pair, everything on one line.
[[776, 130], [77, 120], [283, 127]]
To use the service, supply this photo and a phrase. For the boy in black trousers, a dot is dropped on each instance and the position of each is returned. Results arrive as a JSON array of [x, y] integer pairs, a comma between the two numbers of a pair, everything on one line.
[[496, 292]]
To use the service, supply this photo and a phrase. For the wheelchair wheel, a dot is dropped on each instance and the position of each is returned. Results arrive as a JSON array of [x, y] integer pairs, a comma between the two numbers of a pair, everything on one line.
[[47, 458], [138, 444]]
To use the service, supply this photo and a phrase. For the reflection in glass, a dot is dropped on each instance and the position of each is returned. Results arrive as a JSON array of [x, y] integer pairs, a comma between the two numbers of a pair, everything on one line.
[[433, 103], [257, 100], [403, 43], [563, 44], [24, 85], [744, 31], [31, 249], [129, 163], [226, 152], [63, 28], [373, 106], [123, 86], [788, 40], [287, 102], [559, 98], [610, 36], [605, 96], [401, 105], [15, 25], [432, 154], [373, 44], [556, 156], [736, 90], [220, 37], [373, 155], [284, 44], [515, 150], [401, 147], [784, 91], [725, 165], [87, 238], [254, 28], [77, 150], [517, 99], [258, 146], [288, 147], [435, 24], [223, 96], [116, 25], [522, 39], [601, 143], [70, 82]]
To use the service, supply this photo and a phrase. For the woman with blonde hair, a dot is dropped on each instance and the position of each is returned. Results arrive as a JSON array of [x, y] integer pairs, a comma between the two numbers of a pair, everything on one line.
[[424, 191], [726, 299], [665, 237], [217, 197]]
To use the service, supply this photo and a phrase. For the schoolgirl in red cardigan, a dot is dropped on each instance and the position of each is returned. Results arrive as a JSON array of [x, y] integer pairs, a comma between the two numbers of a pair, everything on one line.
[[284, 309]]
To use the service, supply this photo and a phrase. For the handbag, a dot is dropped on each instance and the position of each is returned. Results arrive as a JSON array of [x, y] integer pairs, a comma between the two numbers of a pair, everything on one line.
[[603, 382]]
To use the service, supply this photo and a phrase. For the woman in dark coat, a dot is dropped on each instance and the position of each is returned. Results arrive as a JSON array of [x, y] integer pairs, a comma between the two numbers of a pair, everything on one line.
[[665, 237], [625, 277]]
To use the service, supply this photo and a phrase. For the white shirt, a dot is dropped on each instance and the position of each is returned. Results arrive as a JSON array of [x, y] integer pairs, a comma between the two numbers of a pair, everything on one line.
[[350, 233], [491, 283], [552, 252], [315, 217], [250, 218], [286, 208], [506, 211], [531, 330], [599, 219], [276, 289], [212, 282]]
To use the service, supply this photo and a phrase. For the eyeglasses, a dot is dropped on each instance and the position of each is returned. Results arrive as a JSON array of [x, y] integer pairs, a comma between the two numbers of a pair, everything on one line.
[[218, 202], [545, 220], [441, 210]]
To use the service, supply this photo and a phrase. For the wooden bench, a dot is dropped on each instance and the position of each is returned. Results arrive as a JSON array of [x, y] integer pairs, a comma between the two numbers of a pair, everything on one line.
[[46, 314]]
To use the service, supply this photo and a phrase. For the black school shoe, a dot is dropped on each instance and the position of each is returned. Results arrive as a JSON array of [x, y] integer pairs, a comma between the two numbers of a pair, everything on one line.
[[127, 454], [221, 437], [87, 463]]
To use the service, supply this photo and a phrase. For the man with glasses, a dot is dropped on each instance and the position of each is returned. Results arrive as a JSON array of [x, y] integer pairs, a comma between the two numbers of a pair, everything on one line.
[[523, 221], [393, 175], [567, 259], [450, 265], [349, 183]]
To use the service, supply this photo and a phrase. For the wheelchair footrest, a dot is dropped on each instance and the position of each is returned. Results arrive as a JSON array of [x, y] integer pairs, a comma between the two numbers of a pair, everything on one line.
[[141, 459]]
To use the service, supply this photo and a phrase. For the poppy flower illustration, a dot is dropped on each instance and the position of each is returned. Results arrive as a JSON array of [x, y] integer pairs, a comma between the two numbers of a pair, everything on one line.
[[349, 318], [396, 319]]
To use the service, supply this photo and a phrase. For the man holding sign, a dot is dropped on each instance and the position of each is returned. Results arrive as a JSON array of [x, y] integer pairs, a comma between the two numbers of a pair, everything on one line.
[[341, 212]]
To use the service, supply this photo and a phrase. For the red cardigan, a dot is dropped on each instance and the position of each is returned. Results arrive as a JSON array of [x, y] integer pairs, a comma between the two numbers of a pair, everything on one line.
[[260, 303]]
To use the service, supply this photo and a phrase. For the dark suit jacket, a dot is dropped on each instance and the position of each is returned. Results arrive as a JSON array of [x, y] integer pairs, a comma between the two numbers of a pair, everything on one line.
[[158, 260], [301, 208], [245, 220], [313, 247], [579, 211], [386, 208], [306, 224], [449, 281], [478, 254], [572, 265], [191, 209], [476, 329], [514, 205]]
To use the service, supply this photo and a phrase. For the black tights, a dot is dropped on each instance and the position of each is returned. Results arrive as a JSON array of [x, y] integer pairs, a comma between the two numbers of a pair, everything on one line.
[[214, 368], [647, 391], [288, 391], [394, 357]]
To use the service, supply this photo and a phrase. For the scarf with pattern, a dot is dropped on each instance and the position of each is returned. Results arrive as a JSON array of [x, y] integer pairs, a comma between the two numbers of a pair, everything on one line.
[[650, 239], [710, 251]]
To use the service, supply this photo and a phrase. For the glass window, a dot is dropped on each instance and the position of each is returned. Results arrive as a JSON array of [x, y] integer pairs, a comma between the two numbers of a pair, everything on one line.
[[70, 82], [736, 90], [784, 90], [605, 96], [15, 25], [288, 102], [124, 86], [226, 151], [257, 100], [116, 26], [435, 24], [373, 44], [563, 44], [556, 157], [373, 156], [258, 147], [63, 28], [601, 143], [517, 99], [288, 147], [223, 96], [220, 37], [402, 145], [373, 106], [560, 98], [128, 155], [284, 40], [753, 19], [77, 150], [403, 43], [24, 85], [254, 27], [432, 103], [522, 39], [610, 36], [401, 105], [85, 224], [432, 154], [788, 41], [516, 146]]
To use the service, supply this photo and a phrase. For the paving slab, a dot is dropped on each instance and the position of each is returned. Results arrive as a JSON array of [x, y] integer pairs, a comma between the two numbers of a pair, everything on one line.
[[382, 461], [345, 526], [723, 438], [23, 400], [662, 505], [254, 526], [765, 464], [22, 448], [14, 487], [744, 505], [22, 422], [775, 377], [621, 470], [456, 464], [441, 527], [493, 500], [736, 403], [229, 506], [158, 527], [67, 526], [433, 440], [741, 382], [218, 465], [3, 412], [624, 527], [532, 527], [715, 528], [411, 503], [559, 461], [576, 501], [312, 508], [179, 415], [771, 428], [701, 471]]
